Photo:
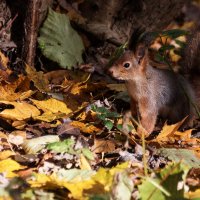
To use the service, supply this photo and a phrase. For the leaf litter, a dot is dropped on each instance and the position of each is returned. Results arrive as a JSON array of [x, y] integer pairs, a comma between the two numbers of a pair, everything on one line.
[[73, 147]]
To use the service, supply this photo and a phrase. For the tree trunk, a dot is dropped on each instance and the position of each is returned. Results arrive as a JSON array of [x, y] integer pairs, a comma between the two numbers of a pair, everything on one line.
[[116, 20]]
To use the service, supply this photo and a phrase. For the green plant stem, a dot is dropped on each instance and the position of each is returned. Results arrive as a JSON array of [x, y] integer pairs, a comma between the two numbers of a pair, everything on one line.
[[144, 160]]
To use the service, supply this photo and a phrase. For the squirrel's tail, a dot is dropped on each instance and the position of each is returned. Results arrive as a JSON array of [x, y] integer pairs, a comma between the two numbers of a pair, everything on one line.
[[191, 62], [191, 54]]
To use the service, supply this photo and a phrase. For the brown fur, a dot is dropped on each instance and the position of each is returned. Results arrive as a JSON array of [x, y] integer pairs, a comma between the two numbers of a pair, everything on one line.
[[154, 91]]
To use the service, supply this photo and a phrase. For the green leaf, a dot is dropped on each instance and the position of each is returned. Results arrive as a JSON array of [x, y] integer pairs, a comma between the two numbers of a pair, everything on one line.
[[161, 187], [174, 33], [165, 48], [118, 52], [174, 173], [88, 154], [72, 174], [180, 43], [59, 42], [184, 155], [64, 146], [149, 191], [108, 124], [34, 145], [160, 58]]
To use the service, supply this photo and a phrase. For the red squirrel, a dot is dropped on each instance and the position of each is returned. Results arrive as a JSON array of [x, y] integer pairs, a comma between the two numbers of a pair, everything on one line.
[[153, 91]]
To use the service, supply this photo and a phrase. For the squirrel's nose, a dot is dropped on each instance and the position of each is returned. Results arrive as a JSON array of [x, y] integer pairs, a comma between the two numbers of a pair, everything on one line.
[[110, 71]]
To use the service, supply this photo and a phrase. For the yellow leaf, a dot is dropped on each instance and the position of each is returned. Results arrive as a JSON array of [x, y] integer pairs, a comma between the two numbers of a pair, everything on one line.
[[84, 163], [8, 166], [174, 57], [76, 88], [6, 154], [52, 105], [3, 135], [186, 135], [49, 117], [168, 131], [193, 194], [99, 183], [8, 91], [52, 181], [21, 111], [85, 128]]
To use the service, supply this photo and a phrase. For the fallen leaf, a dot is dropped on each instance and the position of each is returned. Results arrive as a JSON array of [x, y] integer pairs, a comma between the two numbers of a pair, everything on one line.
[[6, 154], [49, 117], [193, 194], [186, 156], [78, 87], [52, 105], [167, 133], [8, 91], [34, 145], [81, 183], [85, 128], [3, 60], [21, 111], [5, 72], [8, 166], [84, 164], [103, 146], [39, 79]]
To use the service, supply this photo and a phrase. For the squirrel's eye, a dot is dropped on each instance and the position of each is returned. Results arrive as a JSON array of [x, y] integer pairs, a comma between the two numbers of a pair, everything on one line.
[[126, 65]]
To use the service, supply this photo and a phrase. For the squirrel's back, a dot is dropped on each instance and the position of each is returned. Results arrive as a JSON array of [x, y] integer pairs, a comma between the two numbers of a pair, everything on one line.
[[155, 91]]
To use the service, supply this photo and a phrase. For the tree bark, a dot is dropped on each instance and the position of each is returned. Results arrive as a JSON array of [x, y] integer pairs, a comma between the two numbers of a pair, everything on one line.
[[116, 20], [36, 12]]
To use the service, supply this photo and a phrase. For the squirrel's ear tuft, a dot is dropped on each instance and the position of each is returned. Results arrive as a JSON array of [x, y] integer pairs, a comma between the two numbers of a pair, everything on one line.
[[140, 52], [135, 38], [141, 55]]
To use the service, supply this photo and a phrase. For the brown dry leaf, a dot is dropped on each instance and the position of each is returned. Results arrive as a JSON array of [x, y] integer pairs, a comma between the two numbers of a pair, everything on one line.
[[38, 78], [8, 91], [103, 146], [3, 135], [67, 129], [85, 128], [52, 106], [77, 87], [3, 140], [19, 124], [58, 76], [21, 111], [3, 60], [5, 72], [169, 133], [17, 137], [186, 138]]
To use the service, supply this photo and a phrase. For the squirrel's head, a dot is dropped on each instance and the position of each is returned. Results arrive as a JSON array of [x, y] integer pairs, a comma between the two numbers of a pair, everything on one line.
[[130, 65]]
